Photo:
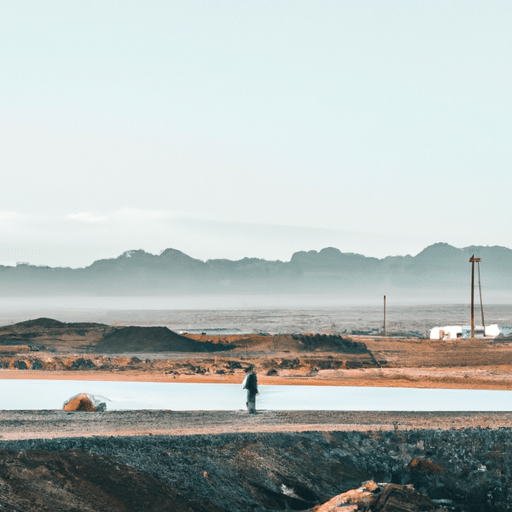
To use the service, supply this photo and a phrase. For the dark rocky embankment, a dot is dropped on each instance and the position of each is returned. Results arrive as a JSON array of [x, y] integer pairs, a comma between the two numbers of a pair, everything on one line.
[[465, 470]]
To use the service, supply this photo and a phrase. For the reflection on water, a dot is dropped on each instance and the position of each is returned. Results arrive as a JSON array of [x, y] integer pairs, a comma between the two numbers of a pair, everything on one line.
[[51, 394]]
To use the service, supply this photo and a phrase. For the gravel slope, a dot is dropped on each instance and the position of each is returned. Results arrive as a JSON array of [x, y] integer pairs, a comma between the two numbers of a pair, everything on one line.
[[469, 469]]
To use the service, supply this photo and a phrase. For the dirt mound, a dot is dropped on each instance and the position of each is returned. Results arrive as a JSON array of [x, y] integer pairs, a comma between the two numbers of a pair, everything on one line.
[[43, 332], [330, 342], [151, 339], [44, 323], [49, 323], [82, 337]]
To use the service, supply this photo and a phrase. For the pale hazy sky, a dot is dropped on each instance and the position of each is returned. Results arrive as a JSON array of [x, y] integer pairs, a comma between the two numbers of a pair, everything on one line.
[[254, 128]]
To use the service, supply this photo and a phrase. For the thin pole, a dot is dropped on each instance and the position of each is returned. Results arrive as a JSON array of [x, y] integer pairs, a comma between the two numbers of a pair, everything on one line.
[[472, 261], [481, 303], [384, 315]]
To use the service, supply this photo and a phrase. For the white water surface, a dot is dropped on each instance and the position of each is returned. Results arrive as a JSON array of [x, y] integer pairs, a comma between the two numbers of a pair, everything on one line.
[[51, 394]]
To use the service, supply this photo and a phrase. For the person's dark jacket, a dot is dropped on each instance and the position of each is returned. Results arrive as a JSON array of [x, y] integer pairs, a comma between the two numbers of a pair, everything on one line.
[[251, 383]]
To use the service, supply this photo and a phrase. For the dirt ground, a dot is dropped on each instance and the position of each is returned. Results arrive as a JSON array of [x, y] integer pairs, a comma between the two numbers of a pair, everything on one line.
[[47, 349], [360, 361], [16, 425], [59, 460], [497, 378]]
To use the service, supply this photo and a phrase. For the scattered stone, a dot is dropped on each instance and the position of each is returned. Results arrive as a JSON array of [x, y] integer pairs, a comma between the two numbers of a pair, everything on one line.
[[37, 364], [267, 470], [290, 363], [424, 465], [21, 365], [404, 498], [82, 364], [352, 365]]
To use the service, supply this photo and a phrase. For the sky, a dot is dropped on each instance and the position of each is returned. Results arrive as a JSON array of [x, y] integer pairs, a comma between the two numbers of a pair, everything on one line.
[[228, 129]]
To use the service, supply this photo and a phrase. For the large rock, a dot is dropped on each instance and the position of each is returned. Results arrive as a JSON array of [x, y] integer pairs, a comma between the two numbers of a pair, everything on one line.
[[356, 499], [384, 498], [82, 364], [84, 402]]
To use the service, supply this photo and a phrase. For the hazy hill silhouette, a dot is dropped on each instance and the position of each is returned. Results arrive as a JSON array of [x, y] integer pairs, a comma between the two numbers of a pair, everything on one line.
[[439, 268]]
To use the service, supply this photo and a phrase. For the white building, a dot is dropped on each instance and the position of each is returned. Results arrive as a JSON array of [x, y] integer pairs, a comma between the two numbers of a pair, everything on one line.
[[452, 332]]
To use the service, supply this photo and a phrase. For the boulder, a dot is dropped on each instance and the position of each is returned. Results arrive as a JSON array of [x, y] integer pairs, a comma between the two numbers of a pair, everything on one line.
[[84, 402], [356, 499], [37, 364], [380, 498], [424, 465], [20, 364], [404, 498], [82, 364]]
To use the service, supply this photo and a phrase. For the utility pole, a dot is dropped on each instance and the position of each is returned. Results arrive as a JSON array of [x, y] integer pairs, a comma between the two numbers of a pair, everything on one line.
[[384, 328], [472, 260], [481, 303]]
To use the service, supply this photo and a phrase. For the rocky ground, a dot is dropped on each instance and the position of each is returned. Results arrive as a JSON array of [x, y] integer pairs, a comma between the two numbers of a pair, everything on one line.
[[464, 470]]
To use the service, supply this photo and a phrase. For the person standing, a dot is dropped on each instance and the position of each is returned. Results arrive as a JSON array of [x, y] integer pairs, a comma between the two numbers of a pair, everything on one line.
[[251, 385]]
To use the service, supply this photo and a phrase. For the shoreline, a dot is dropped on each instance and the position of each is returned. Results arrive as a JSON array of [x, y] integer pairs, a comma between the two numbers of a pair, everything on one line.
[[58, 424], [354, 378]]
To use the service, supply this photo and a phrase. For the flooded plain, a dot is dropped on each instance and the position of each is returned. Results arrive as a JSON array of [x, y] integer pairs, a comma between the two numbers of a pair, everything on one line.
[[119, 396], [414, 320]]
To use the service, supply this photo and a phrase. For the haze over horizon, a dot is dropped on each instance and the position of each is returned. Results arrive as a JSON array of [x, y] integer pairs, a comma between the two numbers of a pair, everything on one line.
[[234, 129], [437, 249]]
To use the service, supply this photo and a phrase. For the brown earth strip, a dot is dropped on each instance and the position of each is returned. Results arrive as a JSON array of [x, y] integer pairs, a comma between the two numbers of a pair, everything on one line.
[[58, 424], [493, 378]]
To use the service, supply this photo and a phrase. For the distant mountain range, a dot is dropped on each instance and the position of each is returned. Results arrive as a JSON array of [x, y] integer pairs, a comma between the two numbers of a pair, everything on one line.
[[439, 270]]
